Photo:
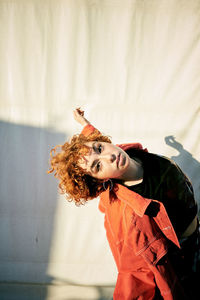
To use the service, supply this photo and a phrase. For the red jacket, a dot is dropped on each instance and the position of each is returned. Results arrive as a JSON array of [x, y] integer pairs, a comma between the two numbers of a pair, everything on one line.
[[139, 244]]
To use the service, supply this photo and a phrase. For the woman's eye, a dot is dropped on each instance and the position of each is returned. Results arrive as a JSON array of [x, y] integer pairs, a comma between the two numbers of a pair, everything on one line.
[[99, 148], [98, 166]]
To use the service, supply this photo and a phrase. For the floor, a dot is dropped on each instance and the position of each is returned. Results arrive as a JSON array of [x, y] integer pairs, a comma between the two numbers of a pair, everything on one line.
[[18, 291]]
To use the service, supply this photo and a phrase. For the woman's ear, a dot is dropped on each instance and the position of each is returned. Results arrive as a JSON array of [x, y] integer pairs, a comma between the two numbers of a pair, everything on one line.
[[108, 183]]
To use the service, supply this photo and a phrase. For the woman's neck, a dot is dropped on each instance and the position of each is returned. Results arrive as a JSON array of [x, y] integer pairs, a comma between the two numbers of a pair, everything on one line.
[[134, 173]]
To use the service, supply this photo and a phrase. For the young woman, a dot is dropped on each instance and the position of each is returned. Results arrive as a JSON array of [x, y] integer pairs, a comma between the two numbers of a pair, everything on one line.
[[150, 212]]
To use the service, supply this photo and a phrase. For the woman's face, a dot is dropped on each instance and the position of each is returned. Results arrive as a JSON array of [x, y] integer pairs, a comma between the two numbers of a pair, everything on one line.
[[105, 160]]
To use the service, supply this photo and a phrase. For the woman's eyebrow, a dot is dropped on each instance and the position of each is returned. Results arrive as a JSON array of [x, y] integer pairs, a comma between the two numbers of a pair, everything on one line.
[[93, 145], [93, 164]]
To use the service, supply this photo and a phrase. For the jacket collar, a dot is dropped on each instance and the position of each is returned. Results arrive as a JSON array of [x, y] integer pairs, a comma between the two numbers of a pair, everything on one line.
[[137, 203]]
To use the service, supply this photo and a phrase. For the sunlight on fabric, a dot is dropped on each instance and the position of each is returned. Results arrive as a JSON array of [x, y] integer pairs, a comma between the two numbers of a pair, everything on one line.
[[24, 116]]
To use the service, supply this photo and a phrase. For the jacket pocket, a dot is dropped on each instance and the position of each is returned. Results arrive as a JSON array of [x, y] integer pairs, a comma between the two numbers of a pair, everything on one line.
[[155, 250], [146, 239]]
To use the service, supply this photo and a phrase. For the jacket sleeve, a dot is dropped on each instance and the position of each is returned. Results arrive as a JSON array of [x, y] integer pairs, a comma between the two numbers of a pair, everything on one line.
[[167, 280], [88, 129]]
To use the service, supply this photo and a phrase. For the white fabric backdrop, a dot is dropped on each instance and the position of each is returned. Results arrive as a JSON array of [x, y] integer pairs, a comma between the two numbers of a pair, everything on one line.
[[134, 67]]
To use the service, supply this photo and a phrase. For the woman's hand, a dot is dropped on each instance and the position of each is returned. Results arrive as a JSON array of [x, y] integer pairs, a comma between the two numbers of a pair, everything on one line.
[[79, 117]]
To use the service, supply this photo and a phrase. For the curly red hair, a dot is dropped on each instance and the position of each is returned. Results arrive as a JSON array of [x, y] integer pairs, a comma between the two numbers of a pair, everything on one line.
[[74, 181]]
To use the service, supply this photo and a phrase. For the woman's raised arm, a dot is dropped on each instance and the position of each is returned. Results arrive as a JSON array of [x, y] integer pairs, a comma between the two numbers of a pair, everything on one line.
[[79, 117], [87, 127]]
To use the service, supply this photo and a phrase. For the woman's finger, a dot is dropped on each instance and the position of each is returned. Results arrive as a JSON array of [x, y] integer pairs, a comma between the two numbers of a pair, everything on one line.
[[80, 111]]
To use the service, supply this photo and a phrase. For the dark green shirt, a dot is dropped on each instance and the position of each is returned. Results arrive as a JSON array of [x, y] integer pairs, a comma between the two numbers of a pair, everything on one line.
[[164, 181]]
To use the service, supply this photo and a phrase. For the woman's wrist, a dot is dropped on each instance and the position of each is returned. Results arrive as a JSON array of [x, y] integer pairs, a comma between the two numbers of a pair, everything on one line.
[[79, 117], [85, 122]]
